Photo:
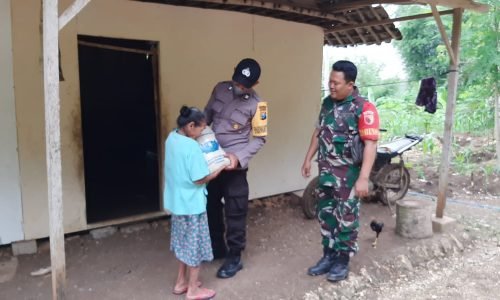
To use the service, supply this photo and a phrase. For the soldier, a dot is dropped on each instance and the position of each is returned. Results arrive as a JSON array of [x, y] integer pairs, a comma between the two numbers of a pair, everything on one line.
[[342, 181], [239, 121]]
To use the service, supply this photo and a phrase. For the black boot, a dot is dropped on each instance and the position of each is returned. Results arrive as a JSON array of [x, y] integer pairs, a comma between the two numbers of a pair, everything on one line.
[[231, 265], [324, 264], [340, 268]]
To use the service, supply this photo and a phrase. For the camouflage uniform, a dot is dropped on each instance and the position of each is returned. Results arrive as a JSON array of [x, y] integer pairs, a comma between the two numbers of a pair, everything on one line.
[[338, 207]]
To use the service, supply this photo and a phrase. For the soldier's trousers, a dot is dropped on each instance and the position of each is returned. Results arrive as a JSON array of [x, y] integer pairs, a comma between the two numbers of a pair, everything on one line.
[[228, 218], [338, 215]]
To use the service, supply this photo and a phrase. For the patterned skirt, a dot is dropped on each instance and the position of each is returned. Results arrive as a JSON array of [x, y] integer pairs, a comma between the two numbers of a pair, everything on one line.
[[190, 239]]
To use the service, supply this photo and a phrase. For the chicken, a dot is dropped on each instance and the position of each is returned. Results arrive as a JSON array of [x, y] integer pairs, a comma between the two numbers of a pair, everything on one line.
[[377, 227]]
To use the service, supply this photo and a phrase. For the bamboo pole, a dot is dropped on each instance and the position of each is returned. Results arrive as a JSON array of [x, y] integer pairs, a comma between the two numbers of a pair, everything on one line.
[[450, 111], [386, 21], [53, 145]]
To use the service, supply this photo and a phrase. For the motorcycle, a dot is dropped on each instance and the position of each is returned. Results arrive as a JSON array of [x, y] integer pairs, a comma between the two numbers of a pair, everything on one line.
[[389, 181]]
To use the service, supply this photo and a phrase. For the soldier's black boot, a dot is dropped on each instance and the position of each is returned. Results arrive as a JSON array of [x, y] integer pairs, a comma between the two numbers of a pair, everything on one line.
[[324, 264], [231, 265], [340, 268]]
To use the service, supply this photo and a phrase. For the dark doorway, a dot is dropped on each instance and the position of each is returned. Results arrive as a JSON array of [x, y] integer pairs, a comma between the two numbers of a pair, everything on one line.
[[120, 127]]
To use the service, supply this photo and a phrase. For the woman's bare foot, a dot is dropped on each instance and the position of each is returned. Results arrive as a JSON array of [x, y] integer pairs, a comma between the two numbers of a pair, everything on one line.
[[200, 294], [182, 287]]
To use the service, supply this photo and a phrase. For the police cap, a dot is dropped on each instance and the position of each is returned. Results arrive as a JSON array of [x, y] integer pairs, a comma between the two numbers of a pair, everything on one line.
[[247, 72]]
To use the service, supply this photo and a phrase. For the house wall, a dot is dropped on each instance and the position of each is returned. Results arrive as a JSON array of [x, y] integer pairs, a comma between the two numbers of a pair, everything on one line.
[[11, 217], [198, 48]]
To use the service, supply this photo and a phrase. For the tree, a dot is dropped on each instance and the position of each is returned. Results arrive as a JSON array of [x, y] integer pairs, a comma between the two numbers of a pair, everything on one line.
[[481, 62], [421, 47]]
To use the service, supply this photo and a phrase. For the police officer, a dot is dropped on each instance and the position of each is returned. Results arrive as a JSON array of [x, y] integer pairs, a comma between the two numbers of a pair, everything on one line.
[[342, 181], [239, 121]]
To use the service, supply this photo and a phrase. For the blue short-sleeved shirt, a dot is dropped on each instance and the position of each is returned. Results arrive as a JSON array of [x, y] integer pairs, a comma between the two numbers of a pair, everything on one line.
[[184, 164]]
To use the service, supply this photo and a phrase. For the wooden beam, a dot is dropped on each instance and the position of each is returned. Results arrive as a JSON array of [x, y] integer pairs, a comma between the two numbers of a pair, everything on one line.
[[450, 112], [375, 36], [387, 29], [465, 4], [444, 36], [337, 37], [353, 42], [71, 12], [329, 40], [360, 34], [282, 7], [387, 21], [53, 145], [352, 5], [117, 48]]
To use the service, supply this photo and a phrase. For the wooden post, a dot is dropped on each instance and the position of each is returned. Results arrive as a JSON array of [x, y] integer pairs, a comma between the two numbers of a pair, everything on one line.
[[71, 12], [450, 111], [53, 145], [444, 36]]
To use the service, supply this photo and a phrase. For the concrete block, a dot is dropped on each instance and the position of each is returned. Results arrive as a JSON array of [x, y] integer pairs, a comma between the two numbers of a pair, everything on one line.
[[101, 233], [24, 247], [444, 224], [413, 219]]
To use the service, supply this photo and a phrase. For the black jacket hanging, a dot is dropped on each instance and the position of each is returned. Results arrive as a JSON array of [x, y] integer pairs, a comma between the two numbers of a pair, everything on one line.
[[427, 95]]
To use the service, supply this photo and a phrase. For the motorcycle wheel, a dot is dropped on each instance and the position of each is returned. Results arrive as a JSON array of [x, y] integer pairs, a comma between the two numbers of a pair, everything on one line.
[[394, 182], [309, 199]]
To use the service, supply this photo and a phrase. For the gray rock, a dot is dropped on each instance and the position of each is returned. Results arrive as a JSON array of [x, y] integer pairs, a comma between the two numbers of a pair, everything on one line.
[[435, 249], [446, 245], [459, 244], [364, 273], [101, 233], [402, 262], [418, 255]]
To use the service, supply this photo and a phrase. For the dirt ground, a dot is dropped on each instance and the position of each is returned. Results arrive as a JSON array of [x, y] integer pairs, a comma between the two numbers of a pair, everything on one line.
[[282, 244]]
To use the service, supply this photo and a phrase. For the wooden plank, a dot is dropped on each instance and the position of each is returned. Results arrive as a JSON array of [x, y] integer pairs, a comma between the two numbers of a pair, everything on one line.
[[53, 145], [444, 36], [116, 48], [282, 7], [329, 40], [370, 29], [71, 12], [351, 5], [450, 112], [387, 29], [465, 4], [360, 34], [387, 21], [337, 37]]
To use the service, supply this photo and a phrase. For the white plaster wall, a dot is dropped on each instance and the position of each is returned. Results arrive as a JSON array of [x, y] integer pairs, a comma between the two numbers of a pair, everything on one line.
[[198, 48], [11, 217]]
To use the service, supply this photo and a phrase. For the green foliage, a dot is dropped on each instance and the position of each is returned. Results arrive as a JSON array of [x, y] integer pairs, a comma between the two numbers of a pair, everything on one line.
[[425, 55], [421, 46], [480, 48]]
